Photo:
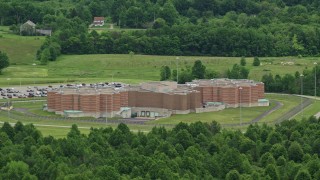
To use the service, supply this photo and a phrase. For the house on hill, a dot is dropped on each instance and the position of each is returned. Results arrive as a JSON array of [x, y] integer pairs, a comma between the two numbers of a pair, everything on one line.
[[28, 28], [98, 21]]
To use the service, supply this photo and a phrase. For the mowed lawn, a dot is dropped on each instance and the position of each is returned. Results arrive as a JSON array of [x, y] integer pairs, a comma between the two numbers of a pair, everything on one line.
[[146, 67], [138, 68], [121, 67], [21, 50], [224, 117]]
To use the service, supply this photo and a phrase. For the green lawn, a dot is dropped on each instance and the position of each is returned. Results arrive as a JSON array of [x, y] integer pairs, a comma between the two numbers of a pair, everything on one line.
[[60, 128], [136, 68], [309, 111], [288, 101], [127, 68], [21, 50], [227, 116], [148, 67]]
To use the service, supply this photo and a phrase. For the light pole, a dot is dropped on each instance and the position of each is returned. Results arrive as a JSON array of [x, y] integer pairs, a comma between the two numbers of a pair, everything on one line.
[[8, 79], [315, 80], [240, 88], [301, 77], [177, 61], [106, 109], [8, 106]]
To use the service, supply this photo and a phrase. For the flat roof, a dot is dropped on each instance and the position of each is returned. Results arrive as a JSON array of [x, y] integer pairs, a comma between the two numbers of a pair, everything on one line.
[[72, 111], [223, 82], [263, 100]]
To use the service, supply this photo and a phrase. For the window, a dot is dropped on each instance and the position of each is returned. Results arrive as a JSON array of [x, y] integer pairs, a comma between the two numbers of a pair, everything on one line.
[[142, 114], [148, 113]]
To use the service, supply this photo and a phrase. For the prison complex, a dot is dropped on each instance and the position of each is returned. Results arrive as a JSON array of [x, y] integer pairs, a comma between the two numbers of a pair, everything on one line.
[[157, 99]]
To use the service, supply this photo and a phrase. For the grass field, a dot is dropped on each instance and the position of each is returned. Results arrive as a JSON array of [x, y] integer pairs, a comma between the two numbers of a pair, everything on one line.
[[227, 116], [288, 101], [126, 68], [137, 68], [21, 50], [148, 67], [309, 111]]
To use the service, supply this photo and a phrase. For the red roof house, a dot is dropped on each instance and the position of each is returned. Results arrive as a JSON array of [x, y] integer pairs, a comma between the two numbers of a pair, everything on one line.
[[98, 21]]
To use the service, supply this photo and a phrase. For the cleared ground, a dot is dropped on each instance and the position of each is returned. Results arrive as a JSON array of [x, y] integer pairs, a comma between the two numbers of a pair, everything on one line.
[[138, 68]]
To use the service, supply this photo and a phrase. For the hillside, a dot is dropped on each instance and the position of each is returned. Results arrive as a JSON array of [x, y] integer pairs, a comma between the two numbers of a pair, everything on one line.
[[21, 50], [145, 67], [207, 28]]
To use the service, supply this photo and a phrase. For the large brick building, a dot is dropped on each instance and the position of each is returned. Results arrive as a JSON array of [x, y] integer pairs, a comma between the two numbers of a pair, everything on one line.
[[231, 92], [155, 99]]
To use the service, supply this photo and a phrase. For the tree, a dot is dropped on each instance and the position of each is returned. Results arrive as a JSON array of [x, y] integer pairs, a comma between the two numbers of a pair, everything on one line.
[[4, 61], [238, 72], [165, 73], [8, 129], [45, 56], [303, 175], [295, 152], [198, 70], [169, 13], [16, 170], [185, 76], [268, 80], [272, 171], [243, 61], [210, 74], [296, 45], [159, 23], [233, 175], [107, 172], [256, 61]]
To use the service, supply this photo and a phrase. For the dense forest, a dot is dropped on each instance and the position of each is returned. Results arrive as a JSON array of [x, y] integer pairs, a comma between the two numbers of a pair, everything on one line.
[[289, 150], [174, 27]]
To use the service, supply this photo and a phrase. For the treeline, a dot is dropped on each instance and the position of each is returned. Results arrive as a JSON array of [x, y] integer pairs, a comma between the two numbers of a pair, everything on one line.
[[299, 83], [197, 151], [141, 13], [201, 39], [178, 27], [200, 71]]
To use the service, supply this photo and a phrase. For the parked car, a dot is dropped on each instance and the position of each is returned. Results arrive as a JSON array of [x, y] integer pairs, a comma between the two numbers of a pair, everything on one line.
[[21, 96]]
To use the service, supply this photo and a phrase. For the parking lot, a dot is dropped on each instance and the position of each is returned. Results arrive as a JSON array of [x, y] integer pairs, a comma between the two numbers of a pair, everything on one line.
[[41, 91], [23, 92]]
